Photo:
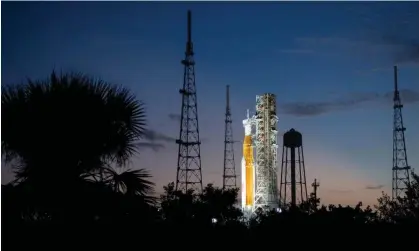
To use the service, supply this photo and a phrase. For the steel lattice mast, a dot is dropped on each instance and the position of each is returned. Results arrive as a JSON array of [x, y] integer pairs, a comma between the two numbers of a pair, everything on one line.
[[229, 175], [401, 169], [189, 173]]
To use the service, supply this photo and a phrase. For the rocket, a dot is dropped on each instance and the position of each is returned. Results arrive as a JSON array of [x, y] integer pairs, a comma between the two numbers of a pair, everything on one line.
[[247, 167], [243, 175]]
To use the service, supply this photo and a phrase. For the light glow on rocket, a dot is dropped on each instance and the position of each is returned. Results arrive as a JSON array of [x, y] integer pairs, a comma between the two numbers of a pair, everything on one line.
[[248, 170]]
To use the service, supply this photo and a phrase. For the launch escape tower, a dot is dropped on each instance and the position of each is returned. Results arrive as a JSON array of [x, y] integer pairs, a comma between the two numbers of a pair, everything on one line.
[[189, 173], [266, 152], [293, 174], [229, 174], [401, 169]]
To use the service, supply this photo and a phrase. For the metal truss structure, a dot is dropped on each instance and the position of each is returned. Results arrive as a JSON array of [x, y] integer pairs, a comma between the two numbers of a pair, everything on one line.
[[401, 169], [189, 173], [266, 147], [229, 173]]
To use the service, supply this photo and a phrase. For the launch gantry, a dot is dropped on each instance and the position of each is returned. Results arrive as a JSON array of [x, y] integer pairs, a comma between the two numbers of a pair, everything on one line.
[[262, 187], [266, 193]]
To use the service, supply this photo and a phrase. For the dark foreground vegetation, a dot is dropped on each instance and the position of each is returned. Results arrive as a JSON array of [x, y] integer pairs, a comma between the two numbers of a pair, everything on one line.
[[69, 139]]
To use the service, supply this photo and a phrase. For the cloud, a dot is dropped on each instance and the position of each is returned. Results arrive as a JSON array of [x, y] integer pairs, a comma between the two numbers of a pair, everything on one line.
[[407, 96], [345, 46], [174, 117], [338, 43], [317, 108], [340, 191], [374, 187], [353, 100], [399, 49], [296, 51], [154, 140], [375, 70], [151, 135], [405, 50], [148, 145]]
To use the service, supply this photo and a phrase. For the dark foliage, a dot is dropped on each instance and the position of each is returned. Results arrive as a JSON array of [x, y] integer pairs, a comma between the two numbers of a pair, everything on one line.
[[69, 136], [213, 207], [67, 139]]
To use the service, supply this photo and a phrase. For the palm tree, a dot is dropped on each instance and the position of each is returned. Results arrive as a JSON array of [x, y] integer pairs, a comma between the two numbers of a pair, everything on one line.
[[66, 130], [130, 183]]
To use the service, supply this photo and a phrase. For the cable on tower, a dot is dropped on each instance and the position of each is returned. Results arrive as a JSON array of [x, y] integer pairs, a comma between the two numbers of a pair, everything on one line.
[[189, 173], [229, 174], [401, 169]]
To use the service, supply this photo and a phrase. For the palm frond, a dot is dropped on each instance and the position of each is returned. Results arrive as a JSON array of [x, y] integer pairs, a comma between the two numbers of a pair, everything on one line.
[[68, 123], [134, 182]]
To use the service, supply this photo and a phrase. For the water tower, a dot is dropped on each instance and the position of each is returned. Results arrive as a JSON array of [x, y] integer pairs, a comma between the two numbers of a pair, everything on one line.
[[293, 187]]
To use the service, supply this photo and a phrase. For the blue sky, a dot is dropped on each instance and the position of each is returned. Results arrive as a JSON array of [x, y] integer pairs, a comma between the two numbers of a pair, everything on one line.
[[330, 65]]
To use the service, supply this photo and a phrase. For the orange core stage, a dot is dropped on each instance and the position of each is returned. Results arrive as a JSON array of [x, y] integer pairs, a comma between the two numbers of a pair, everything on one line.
[[249, 165]]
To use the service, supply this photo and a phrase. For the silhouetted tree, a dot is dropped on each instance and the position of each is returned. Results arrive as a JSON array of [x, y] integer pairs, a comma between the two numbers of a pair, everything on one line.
[[63, 136], [339, 215], [220, 204], [176, 206], [130, 183], [214, 206], [311, 205], [401, 210]]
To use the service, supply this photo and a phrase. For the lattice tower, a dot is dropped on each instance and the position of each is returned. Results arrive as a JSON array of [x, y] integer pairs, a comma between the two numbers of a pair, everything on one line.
[[229, 174], [401, 169], [189, 173]]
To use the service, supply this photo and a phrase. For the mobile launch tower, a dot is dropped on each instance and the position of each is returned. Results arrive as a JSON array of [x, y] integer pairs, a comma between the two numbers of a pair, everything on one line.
[[259, 173]]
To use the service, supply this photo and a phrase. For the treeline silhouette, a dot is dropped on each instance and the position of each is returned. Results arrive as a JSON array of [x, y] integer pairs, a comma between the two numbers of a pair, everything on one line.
[[68, 140]]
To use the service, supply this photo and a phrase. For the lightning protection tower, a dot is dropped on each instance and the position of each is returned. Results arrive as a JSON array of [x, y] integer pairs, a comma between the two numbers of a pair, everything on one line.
[[401, 169], [293, 187], [229, 175], [189, 173]]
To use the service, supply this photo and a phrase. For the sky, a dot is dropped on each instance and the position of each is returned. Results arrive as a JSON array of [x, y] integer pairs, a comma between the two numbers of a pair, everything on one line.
[[329, 64]]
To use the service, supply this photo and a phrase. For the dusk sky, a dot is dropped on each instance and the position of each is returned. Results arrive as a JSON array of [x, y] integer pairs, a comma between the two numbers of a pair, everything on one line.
[[330, 65]]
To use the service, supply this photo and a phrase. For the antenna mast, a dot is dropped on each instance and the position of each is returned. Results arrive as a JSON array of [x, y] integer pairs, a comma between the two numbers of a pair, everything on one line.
[[189, 173], [401, 169], [229, 175], [315, 185]]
